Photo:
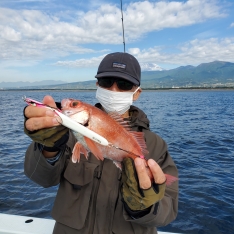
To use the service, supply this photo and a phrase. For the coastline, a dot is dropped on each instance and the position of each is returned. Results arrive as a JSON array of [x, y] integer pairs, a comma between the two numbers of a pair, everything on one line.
[[145, 89]]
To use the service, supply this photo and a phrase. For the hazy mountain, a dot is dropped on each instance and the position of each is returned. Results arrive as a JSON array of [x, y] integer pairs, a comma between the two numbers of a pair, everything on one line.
[[90, 84], [21, 84], [214, 74]]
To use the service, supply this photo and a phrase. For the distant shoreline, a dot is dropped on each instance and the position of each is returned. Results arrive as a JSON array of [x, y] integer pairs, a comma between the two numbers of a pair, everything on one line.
[[145, 89]]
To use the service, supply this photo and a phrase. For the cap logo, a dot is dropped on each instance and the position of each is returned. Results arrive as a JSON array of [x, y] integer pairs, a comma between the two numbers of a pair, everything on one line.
[[119, 65]]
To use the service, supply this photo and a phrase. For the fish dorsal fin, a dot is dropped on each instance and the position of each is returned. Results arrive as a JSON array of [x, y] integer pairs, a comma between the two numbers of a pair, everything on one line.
[[139, 136], [119, 119]]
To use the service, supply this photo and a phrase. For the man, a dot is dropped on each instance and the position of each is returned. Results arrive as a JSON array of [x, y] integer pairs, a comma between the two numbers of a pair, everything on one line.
[[95, 196]]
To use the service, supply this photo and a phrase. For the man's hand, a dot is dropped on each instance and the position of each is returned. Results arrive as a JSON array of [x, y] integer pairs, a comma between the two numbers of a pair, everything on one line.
[[42, 126], [148, 171], [143, 183], [39, 117]]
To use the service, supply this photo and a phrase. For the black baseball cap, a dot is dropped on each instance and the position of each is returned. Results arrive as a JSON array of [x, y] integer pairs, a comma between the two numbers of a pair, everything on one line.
[[120, 65]]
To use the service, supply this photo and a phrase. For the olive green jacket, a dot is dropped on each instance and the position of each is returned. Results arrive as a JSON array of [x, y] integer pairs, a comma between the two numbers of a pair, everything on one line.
[[89, 198]]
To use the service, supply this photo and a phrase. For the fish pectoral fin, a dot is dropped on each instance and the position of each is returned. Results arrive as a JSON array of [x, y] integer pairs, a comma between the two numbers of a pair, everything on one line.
[[76, 152], [93, 148], [84, 151]]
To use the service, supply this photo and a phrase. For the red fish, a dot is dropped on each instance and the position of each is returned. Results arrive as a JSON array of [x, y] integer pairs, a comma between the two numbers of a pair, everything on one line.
[[126, 143]]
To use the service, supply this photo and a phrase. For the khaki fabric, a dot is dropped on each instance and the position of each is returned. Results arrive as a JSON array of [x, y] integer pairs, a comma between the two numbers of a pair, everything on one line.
[[47, 136], [135, 197]]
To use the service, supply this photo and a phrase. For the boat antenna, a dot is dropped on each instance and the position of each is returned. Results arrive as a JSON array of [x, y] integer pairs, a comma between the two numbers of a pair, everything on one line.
[[122, 24]]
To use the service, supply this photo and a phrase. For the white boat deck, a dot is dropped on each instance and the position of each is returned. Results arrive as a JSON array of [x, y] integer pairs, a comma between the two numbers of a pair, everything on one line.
[[15, 224]]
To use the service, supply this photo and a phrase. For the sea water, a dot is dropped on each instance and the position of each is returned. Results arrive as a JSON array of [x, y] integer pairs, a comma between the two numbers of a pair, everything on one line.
[[198, 126]]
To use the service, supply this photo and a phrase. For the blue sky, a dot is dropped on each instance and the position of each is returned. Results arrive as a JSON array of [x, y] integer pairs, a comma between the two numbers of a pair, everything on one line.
[[66, 39]]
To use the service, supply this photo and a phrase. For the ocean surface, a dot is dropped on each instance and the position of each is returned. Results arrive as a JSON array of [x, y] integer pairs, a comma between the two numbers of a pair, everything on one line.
[[198, 127]]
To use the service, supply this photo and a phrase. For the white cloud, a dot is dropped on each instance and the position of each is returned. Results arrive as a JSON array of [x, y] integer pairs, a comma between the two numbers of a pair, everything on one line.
[[10, 34], [150, 67], [191, 53], [81, 63], [134, 51], [95, 61], [232, 25], [33, 34], [150, 16]]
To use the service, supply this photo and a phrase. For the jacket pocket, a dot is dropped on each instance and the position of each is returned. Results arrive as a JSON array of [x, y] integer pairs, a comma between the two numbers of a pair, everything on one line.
[[80, 174], [72, 201]]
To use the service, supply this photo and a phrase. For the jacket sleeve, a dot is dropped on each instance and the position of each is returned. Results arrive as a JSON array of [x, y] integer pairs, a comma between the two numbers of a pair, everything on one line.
[[39, 170], [165, 211]]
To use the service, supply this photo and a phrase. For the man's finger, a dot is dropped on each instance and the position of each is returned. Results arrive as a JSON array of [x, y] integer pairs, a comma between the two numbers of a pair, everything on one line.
[[158, 175], [144, 180], [48, 100], [33, 112], [34, 124]]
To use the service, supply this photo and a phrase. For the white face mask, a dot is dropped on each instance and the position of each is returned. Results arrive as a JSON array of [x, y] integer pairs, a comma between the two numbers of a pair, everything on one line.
[[113, 101]]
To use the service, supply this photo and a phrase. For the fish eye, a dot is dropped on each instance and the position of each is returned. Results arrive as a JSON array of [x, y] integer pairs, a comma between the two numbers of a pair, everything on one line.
[[74, 104]]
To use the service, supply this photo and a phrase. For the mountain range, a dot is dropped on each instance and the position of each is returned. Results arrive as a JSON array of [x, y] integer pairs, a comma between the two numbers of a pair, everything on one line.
[[24, 84], [205, 75], [213, 74]]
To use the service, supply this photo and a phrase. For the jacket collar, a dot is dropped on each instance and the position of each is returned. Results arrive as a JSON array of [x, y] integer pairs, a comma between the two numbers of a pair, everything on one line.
[[138, 118]]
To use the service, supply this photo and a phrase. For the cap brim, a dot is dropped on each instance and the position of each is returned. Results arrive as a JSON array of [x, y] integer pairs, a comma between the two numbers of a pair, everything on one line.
[[118, 75]]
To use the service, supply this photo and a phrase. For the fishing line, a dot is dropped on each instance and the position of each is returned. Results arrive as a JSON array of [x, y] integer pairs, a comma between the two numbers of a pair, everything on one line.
[[116, 147], [122, 24]]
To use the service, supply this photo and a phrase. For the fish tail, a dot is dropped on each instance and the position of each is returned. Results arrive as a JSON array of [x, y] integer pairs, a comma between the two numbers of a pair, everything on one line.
[[170, 179]]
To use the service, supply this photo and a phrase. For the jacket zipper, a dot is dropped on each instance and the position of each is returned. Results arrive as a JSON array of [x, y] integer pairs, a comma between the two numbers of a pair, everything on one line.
[[93, 216]]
